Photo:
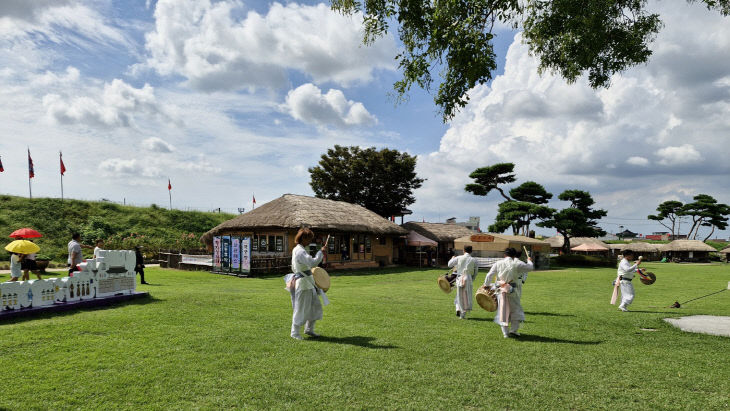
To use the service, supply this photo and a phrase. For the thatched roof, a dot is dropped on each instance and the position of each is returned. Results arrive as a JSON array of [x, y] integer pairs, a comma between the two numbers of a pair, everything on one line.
[[589, 247], [292, 211], [637, 246], [505, 238], [725, 250], [687, 245], [557, 241], [438, 231]]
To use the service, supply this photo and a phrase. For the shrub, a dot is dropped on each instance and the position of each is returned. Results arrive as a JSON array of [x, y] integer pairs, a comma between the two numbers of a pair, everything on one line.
[[581, 260]]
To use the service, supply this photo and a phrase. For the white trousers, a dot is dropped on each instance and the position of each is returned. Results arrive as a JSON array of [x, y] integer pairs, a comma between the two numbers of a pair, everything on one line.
[[627, 293]]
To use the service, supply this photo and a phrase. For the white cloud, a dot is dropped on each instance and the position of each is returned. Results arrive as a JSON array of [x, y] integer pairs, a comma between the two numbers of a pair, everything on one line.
[[307, 103], [157, 145], [208, 45], [115, 105], [118, 167], [638, 161], [679, 155]]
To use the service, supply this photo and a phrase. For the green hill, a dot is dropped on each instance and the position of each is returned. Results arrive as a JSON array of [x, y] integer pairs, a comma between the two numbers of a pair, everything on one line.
[[122, 227]]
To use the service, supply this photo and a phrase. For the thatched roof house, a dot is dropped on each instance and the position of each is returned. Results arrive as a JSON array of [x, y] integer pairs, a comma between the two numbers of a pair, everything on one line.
[[687, 245], [688, 250], [556, 242], [439, 232], [358, 234], [648, 250], [490, 245], [443, 233], [726, 252], [636, 246]]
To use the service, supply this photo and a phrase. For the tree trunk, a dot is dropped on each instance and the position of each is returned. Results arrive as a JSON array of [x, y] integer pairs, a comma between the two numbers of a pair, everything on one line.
[[709, 235], [566, 244]]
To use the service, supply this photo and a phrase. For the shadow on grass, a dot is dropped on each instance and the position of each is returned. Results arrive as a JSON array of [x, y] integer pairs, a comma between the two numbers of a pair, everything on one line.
[[68, 311], [538, 338], [479, 319], [360, 341], [545, 314], [654, 312]]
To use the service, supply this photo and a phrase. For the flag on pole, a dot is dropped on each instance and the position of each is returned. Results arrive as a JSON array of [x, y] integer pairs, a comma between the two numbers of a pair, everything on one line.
[[1, 165], [63, 167], [254, 198], [169, 186], [31, 173]]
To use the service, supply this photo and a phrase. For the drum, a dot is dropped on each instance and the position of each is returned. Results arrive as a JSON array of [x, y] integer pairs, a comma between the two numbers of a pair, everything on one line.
[[487, 298], [321, 278], [647, 278], [446, 281]]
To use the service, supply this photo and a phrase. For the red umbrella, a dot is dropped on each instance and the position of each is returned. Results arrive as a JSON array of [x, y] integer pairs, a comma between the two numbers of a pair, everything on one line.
[[25, 233]]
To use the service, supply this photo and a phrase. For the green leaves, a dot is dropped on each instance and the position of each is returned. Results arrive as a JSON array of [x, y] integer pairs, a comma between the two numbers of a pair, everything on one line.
[[379, 180], [454, 39]]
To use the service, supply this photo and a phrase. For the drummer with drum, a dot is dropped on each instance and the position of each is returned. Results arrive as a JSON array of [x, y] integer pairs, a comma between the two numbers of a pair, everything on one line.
[[467, 270], [307, 308], [506, 277]]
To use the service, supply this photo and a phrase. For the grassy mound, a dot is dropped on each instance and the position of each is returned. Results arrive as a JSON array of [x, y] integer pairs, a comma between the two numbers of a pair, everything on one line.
[[121, 226]]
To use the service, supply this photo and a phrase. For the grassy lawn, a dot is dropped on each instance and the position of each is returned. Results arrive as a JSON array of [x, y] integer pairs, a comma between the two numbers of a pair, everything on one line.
[[391, 340]]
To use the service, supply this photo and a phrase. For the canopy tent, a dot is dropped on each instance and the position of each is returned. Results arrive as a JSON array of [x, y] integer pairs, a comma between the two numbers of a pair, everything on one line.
[[418, 240], [589, 247]]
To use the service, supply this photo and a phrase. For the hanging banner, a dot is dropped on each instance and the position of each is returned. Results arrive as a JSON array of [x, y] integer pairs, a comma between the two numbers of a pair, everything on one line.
[[246, 255], [226, 253], [235, 254], [216, 253]]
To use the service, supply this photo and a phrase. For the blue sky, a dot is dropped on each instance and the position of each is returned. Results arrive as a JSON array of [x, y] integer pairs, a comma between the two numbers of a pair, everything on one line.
[[231, 98]]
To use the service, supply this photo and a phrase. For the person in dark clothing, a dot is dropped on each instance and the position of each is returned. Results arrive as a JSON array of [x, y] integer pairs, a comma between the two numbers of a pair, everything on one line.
[[139, 265]]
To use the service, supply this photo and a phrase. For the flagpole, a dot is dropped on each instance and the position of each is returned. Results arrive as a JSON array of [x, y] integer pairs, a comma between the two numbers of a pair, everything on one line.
[[30, 190], [60, 156], [169, 191]]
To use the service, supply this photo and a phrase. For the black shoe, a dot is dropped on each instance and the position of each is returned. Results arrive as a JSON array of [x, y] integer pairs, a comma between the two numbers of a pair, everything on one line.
[[458, 313], [144, 282]]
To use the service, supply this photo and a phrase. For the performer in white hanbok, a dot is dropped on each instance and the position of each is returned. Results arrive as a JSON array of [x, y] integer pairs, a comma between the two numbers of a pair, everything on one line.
[[467, 271], [305, 294], [506, 277], [625, 275]]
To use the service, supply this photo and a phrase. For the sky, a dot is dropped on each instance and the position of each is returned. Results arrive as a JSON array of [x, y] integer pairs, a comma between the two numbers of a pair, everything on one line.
[[236, 99]]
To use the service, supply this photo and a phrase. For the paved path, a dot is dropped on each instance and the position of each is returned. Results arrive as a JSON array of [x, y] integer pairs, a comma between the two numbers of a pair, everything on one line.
[[705, 324]]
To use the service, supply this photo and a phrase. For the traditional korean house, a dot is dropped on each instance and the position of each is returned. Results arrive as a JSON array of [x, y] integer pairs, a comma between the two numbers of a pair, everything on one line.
[[556, 242], [359, 237], [687, 250], [649, 251], [443, 234], [726, 253], [491, 246]]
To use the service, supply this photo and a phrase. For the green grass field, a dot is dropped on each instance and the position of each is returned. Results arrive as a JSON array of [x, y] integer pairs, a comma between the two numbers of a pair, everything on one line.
[[390, 341]]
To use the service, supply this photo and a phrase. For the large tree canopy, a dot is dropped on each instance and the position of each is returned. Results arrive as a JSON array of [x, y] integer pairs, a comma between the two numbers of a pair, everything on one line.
[[570, 37], [705, 211], [669, 210], [579, 219], [379, 180]]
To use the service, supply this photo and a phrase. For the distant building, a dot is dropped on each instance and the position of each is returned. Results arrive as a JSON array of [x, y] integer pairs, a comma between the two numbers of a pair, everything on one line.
[[627, 234], [472, 224]]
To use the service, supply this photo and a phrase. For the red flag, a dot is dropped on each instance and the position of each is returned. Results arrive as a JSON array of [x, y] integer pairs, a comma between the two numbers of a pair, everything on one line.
[[63, 167], [31, 173], [169, 186], [254, 198], [1, 166]]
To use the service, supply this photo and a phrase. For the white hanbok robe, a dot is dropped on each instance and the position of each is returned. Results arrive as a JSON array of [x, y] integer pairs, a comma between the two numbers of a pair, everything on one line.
[[509, 270], [466, 270], [626, 271], [305, 302]]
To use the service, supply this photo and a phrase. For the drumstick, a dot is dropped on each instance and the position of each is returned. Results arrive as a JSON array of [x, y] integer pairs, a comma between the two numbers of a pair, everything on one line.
[[526, 253]]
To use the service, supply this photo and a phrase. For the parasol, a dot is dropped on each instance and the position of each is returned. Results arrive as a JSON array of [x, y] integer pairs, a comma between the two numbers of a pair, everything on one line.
[[22, 247], [25, 233]]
